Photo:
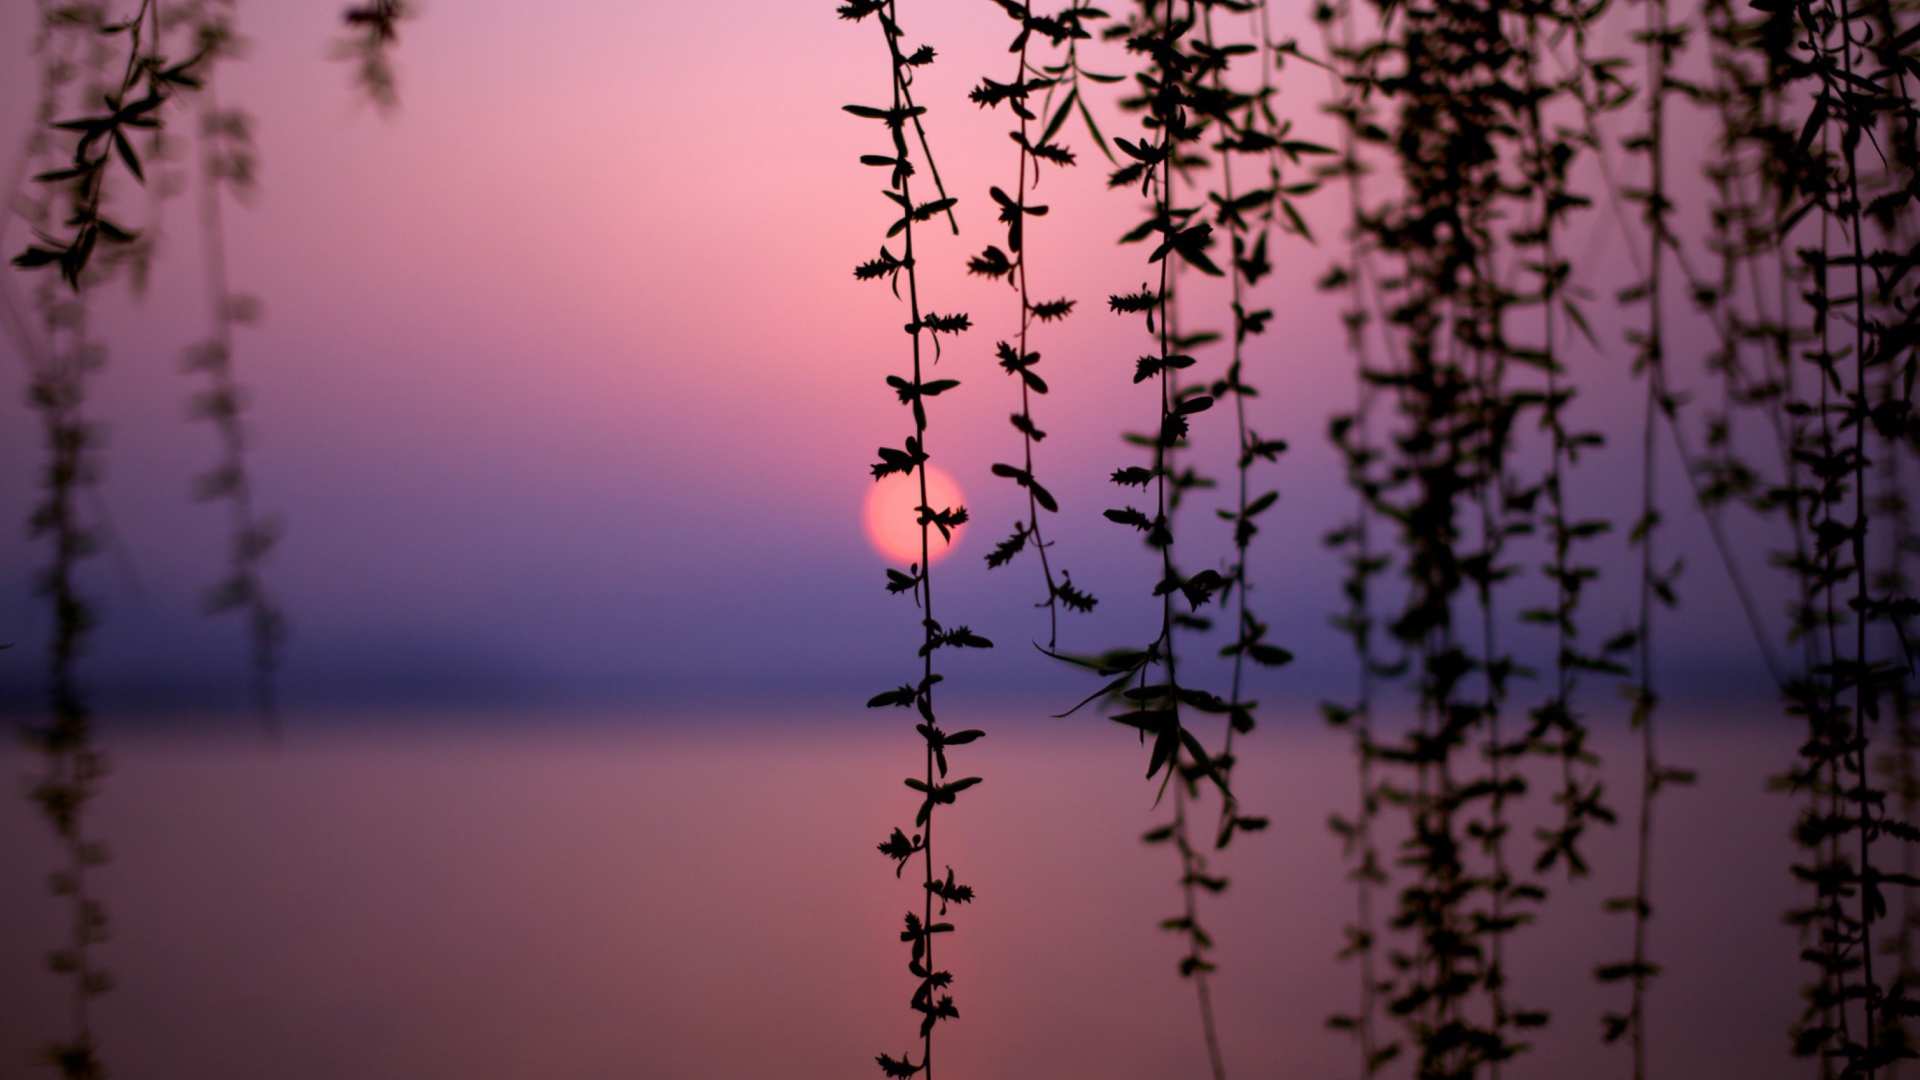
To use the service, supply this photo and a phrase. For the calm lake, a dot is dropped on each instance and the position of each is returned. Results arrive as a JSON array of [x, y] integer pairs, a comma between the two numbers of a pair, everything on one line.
[[699, 896]]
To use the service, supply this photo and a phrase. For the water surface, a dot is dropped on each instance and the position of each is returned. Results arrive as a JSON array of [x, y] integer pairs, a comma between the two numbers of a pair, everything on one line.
[[701, 897]]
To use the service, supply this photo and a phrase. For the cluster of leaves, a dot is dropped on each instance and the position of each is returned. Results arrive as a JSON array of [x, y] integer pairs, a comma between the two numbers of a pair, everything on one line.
[[1035, 93], [127, 107], [1814, 182], [929, 997], [373, 31]]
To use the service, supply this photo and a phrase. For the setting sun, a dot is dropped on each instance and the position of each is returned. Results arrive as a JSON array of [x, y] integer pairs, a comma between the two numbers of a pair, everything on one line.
[[893, 520]]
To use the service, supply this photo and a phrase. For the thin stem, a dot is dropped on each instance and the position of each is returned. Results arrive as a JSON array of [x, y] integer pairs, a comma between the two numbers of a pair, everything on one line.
[[250, 536]]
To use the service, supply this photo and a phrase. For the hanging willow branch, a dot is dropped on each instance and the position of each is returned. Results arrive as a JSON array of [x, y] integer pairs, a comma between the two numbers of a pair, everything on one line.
[[1247, 125], [1467, 247], [1017, 358], [1663, 40], [1350, 64], [929, 998], [62, 358], [1146, 681], [228, 169]]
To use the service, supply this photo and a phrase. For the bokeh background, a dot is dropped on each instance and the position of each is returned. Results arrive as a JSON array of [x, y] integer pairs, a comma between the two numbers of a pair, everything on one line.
[[565, 392], [566, 396]]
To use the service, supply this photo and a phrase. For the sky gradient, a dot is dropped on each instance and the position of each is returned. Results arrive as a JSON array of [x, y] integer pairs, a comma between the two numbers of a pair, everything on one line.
[[566, 393]]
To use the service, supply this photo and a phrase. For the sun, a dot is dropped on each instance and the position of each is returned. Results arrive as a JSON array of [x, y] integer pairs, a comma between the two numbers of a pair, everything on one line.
[[893, 519]]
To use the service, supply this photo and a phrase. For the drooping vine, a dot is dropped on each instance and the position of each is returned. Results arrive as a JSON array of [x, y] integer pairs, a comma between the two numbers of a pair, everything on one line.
[[1865, 357], [1016, 357], [1663, 40], [1431, 462], [1550, 148], [74, 765], [1755, 73], [1350, 64], [930, 998], [1862, 304], [1463, 102], [228, 170], [1900, 764], [1247, 124], [1815, 308], [1895, 581], [108, 87], [1534, 323], [1147, 680], [68, 214]]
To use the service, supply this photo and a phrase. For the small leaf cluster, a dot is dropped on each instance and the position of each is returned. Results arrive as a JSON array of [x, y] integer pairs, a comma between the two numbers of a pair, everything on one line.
[[106, 135], [373, 32]]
